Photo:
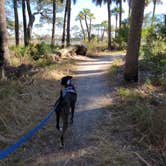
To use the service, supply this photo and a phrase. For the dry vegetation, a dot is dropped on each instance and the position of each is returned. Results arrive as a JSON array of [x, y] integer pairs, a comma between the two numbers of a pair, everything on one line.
[[26, 99], [133, 131]]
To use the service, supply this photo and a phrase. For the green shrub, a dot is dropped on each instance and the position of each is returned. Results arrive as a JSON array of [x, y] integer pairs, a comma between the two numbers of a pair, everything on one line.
[[128, 95], [38, 50], [94, 46], [18, 51], [119, 43], [41, 62]]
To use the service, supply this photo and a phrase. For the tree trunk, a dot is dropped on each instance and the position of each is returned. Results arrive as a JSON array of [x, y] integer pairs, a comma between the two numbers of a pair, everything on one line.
[[64, 25], [83, 31], [53, 23], [31, 21], [154, 8], [120, 14], [129, 12], [116, 24], [90, 28], [131, 66], [4, 54], [102, 35], [68, 23], [16, 22], [87, 27], [24, 23], [109, 24]]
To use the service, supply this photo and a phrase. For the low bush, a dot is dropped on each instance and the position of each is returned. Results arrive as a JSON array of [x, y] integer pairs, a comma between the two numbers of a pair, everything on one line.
[[118, 43], [41, 62], [38, 50]]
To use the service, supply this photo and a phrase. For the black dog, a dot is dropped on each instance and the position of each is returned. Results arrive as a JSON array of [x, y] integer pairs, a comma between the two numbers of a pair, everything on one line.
[[66, 103]]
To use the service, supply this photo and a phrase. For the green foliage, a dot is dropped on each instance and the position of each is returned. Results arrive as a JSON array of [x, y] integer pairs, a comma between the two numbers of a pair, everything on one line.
[[128, 95], [41, 62], [38, 50], [18, 51], [120, 41], [114, 69], [94, 46], [153, 51]]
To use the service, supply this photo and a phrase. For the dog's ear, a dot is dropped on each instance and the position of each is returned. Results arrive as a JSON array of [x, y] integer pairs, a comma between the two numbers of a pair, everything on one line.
[[65, 79], [69, 77]]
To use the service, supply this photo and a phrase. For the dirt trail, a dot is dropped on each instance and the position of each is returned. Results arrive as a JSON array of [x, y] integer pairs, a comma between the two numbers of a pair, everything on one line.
[[93, 96]]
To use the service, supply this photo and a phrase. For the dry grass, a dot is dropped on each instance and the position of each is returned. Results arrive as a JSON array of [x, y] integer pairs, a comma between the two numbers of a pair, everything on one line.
[[138, 113], [26, 100]]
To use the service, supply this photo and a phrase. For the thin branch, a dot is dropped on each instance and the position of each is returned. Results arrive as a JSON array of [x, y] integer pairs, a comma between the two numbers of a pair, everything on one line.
[[141, 158]]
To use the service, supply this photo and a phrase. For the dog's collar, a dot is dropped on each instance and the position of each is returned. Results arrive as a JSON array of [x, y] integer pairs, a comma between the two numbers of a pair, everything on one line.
[[69, 89]]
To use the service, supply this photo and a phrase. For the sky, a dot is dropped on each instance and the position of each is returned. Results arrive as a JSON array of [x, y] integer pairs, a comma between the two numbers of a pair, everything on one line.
[[100, 12]]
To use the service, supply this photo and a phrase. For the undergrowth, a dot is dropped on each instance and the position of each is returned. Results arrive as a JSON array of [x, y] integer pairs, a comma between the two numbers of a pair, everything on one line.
[[140, 110], [25, 100]]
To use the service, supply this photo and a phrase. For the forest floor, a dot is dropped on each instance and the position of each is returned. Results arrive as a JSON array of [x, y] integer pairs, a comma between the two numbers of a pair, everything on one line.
[[99, 136]]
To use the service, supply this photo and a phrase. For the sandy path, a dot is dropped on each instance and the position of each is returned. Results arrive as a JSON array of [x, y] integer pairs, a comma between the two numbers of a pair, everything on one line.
[[93, 96]]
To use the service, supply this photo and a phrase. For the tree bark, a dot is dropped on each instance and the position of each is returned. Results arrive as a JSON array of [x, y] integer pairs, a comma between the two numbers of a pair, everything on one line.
[[31, 21], [102, 35], [131, 65], [24, 23], [120, 14], [53, 23], [68, 23], [83, 31], [154, 8], [109, 24], [64, 26], [4, 54], [90, 28], [87, 27], [16, 22], [116, 24]]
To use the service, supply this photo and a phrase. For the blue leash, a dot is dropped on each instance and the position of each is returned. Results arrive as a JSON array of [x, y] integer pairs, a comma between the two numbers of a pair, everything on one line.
[[4, 153]]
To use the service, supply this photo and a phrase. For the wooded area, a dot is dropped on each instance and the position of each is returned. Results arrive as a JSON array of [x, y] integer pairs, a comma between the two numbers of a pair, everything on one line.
[[35, 58]]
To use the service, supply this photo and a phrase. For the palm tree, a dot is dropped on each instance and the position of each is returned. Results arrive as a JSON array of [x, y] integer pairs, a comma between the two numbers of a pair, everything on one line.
[[91, 16], [67, 16], [86, 13], [24, 23], [80, 17], [155, 2], [129, 4], [99, 2], [109, 23], [68, 23], [115, 11], [64, 25], [104, 24], [120, 11], [53, 22], [4, 56], [16, 22], [131, 65]]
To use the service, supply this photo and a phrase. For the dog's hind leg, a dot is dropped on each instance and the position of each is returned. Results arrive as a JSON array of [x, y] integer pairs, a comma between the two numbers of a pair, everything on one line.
[[65, 126], [57, 119], [72, 113]]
